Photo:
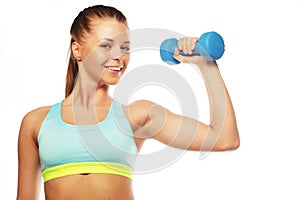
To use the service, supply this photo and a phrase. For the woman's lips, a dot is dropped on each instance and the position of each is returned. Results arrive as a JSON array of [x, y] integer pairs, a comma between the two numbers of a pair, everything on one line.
[[114, 69]]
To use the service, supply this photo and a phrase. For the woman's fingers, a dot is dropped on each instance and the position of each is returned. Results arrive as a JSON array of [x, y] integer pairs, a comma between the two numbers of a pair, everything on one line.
[[187, 44]]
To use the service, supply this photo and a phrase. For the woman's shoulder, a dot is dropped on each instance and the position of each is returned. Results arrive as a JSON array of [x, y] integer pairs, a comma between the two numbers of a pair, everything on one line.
[[144, 106], [37, 113], [140, 106], [138, 111], [33, 119]]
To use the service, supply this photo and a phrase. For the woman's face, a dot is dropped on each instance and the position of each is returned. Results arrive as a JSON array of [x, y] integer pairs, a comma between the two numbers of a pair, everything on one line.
[[105, 52]]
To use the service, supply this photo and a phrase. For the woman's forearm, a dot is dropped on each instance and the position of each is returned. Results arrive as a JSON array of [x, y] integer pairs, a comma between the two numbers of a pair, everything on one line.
[[223, 132]]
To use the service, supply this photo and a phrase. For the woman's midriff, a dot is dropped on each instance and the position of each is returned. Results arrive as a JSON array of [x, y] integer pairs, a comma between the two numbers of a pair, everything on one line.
[[89, 187]]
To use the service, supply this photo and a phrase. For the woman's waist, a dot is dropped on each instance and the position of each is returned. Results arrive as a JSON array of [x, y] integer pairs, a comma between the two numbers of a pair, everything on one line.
[[89, 187]]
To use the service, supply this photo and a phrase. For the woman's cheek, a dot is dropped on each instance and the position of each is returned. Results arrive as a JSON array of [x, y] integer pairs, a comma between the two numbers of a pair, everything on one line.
[[95, 61]]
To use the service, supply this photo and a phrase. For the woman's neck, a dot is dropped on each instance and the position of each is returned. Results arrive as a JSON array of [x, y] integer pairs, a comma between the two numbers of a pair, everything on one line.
[[89, 95]]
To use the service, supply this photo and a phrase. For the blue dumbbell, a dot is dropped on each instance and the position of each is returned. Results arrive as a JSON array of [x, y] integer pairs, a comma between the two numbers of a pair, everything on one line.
[[210, 45]]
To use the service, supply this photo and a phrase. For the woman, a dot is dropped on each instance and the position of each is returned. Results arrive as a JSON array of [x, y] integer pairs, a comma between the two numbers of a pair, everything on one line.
[[79, 143]]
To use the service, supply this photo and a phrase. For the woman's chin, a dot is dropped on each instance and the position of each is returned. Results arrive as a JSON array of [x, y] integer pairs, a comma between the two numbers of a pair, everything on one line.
[[110, 81]]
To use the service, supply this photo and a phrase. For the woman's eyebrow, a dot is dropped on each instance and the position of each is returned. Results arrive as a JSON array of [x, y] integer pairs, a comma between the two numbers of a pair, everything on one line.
[[126, 42], [111, 40]]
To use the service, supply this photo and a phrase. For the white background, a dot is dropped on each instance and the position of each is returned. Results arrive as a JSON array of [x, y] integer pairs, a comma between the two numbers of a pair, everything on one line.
[[260, 69]]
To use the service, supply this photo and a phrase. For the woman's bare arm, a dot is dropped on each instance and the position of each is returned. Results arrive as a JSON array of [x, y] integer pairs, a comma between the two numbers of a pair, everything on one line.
[[182, 132], [29, 175]]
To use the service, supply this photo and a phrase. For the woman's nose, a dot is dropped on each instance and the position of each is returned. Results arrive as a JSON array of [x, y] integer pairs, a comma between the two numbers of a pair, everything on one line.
[[117, 54]]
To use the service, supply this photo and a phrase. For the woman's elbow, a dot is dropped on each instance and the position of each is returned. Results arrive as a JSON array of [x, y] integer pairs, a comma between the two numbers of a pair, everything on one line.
[[228, 143], [232, 145]]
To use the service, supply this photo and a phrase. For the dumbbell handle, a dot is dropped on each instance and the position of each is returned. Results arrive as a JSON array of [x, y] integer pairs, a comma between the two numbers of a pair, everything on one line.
[[210, 45], [198, 50]]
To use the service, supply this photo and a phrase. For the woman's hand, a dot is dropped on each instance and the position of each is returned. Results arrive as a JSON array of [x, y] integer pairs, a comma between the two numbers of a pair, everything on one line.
[[187, 45]]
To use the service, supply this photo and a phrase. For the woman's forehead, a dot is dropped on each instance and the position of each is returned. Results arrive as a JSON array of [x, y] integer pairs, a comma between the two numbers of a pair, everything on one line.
[[110, 28]]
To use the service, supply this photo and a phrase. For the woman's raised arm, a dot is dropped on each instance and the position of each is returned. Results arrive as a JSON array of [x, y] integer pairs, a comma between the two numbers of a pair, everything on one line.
[[220, 134]]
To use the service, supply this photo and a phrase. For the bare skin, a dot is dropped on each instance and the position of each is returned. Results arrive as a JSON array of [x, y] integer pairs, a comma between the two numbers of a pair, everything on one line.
[[90, 96], [91, 187]]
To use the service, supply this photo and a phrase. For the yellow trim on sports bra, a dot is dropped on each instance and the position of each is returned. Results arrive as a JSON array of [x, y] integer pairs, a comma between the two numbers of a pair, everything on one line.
[[86, 167]]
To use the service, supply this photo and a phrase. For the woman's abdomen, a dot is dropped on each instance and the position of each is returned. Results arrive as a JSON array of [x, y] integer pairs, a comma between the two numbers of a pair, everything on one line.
[[89, 187]]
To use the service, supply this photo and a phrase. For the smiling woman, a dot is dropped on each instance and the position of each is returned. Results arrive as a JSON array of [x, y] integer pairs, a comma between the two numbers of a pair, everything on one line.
[[87, 144]]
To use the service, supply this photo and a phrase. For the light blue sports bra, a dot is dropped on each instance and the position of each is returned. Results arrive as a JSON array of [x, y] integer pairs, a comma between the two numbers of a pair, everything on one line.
[[106, 147]]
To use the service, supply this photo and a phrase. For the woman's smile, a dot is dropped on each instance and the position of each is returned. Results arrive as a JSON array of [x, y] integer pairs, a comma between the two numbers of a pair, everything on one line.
[[114, 69]]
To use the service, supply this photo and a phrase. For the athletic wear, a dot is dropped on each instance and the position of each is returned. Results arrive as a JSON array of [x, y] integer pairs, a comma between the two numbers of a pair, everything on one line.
[[106, 147]]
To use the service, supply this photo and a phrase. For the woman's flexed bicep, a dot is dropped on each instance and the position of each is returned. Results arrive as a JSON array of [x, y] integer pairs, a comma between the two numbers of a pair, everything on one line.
[[174, 130], [29, 175], [183, 132]]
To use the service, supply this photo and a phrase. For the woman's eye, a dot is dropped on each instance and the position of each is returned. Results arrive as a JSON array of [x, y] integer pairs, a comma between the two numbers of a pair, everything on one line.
[[105, 46], [125, 48]]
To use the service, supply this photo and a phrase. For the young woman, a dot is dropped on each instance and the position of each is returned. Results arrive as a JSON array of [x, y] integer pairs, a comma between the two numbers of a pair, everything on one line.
[[86, 145]]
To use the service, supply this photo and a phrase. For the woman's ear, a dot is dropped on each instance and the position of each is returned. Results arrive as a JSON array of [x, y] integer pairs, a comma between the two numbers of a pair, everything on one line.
[[76, 51]]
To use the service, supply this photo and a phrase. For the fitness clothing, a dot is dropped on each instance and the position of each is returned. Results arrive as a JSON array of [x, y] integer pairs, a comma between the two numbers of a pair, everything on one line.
[[106, 147]]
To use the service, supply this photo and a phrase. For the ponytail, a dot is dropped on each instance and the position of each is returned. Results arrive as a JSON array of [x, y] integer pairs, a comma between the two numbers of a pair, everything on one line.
[[71, 72]]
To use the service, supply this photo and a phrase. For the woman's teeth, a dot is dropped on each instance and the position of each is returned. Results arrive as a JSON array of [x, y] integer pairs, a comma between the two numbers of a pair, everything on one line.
[[114, 68]]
